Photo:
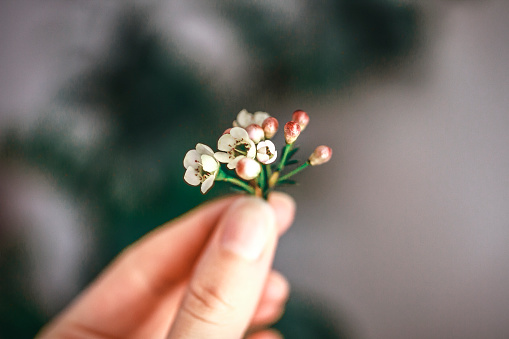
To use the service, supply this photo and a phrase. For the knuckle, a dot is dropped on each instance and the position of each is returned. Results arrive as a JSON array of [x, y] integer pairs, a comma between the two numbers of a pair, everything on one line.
[[205, 303]]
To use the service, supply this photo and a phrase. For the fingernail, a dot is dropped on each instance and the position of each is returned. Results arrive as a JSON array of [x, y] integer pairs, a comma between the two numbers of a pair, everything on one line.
[[247, 227]]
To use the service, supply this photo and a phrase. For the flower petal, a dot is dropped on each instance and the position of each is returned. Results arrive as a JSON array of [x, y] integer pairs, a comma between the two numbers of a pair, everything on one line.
[[251, 153], [262, 157], [261, 145], [204, 149], [222, 157], [232, 164], [207, 184], [209, 163], [239, 133], [226, 142], [244, 118], [259, 117], [271, 146], [192, 177], [192, 159]]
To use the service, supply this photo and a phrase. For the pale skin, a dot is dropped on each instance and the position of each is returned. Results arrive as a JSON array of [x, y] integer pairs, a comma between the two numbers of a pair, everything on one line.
[[206, 274]]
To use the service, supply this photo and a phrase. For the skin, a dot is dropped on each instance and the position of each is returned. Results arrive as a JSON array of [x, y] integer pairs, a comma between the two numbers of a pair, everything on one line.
[[189, 279]]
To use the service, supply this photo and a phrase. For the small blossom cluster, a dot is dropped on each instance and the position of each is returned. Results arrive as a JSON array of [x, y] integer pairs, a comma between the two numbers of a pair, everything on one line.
[[247, 150]]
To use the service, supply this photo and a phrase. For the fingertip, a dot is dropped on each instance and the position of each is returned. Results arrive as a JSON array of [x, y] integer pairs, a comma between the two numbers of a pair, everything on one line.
[[284, 207], [272, 303], [278, 287], [247, 226]]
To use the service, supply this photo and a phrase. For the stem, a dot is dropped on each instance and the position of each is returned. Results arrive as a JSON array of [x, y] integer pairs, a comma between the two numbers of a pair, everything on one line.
[[295, 171], [223, 177], [240, 184], [286, 150], [259, 192], [273, 179], [262, 179], [268, 172]]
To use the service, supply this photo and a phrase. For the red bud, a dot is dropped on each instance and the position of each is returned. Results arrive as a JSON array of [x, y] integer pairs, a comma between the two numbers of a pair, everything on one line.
[[301, 117], [255, 133], [292, 131], [270, 126], [321, 155], [248, 168]]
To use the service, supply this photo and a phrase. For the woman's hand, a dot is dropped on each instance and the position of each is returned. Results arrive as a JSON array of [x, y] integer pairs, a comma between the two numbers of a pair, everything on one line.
[[206, 274]]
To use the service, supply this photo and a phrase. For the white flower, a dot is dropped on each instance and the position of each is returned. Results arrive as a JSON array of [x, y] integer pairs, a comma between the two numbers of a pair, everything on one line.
[[235, 146], [266, 152], [201, 167], [244, 118]]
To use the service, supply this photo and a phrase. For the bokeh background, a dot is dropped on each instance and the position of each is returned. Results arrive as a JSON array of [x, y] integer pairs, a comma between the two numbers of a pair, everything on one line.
[[404, 234]]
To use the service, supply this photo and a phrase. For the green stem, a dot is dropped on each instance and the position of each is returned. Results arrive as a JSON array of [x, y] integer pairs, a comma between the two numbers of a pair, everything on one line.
[[222, 176], [268, 172], [240, 184], [286, 150], [292, 173], [262, 179]]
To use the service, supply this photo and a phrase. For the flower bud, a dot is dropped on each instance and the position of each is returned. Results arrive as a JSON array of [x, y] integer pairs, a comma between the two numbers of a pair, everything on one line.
[[270, 126], [255, 133], [227, 131], [301, 117], [292, 131], [321, 155], [248, 168]]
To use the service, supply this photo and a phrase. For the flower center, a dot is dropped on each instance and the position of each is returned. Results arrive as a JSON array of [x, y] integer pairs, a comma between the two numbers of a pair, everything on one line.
[[202, 174], [266, 150], [241, 148]]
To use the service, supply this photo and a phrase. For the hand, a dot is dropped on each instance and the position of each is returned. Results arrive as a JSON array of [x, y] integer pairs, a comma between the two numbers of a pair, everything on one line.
[[206, 274]]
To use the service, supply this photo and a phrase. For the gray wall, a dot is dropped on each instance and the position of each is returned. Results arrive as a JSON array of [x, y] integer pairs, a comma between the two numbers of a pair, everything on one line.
[[406, 233]]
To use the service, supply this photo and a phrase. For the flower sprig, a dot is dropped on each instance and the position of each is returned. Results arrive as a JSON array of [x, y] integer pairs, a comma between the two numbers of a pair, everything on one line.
[[249, 156]]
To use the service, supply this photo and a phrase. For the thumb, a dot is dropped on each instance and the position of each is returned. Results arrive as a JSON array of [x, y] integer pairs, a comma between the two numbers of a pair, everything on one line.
[[229, 277]]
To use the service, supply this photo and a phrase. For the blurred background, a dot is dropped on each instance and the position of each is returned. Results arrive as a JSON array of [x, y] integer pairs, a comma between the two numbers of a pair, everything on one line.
[[404, 234]]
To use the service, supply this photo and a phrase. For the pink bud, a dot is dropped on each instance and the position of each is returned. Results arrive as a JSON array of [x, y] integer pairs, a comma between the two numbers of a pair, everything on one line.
[[270, 126], [255, 133], [227, 131], [292, 131], [301, 117], [248, 168], [321, 155]]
